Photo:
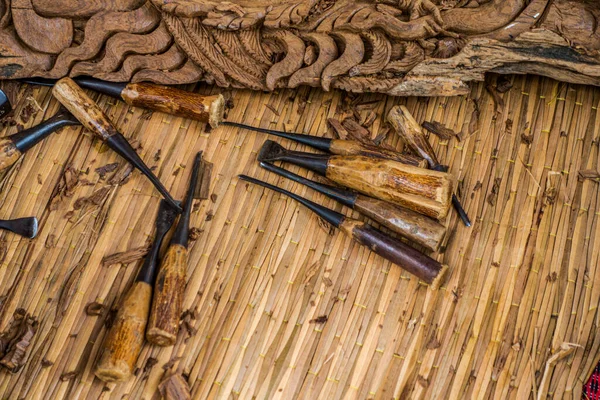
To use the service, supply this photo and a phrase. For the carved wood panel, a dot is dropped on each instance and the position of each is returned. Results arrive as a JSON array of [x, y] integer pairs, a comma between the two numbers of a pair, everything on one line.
[[401, 47]]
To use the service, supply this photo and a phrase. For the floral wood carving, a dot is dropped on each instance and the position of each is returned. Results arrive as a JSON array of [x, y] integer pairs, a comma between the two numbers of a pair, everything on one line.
[[400, 47]]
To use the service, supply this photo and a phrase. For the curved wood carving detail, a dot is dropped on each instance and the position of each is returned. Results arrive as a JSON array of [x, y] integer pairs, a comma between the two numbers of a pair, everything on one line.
[[391, 46]]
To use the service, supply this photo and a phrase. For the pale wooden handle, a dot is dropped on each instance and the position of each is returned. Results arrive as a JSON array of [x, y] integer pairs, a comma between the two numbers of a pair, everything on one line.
[[175, 101], [422, 190], [410, 131], [83, 108], [124, 342], [168, 297], [9, 154]]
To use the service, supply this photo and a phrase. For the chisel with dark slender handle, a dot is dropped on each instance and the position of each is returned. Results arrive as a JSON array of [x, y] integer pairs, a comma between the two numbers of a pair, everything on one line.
[[394, 250], [91, 116], [413, 226], [12, 147], [165, 99]]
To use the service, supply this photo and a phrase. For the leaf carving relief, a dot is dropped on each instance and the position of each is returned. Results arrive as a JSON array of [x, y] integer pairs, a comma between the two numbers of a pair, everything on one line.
[[400, 47]]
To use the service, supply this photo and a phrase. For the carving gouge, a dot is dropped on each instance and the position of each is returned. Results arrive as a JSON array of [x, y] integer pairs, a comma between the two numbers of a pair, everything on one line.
[[170, 282], [91, 116], [425, 191], [338, 147], [12, 147], [409, 130], [394, 250], [27, 227], [165, 99], [124, 341], [414, 226]]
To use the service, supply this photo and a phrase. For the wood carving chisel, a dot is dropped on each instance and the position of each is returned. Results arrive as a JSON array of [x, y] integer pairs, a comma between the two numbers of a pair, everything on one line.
[[413, 226], [74, 99], [422, 266], [169, 287], [124, 341], [424, 191], [165, 99], [12, 147]]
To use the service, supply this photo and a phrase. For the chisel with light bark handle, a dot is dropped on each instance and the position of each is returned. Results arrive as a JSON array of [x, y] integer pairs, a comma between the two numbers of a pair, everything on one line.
[[74, 99], [155, 97], [422, 190], [413, 226]]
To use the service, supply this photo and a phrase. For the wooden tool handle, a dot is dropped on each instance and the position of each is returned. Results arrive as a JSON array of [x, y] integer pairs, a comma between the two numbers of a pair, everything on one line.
[[175, 101], [424, 191], [422, 266], [410, 131], [9, 154], [168, 297], [123, 344], [83, 108], [413, 226], [354, 148]]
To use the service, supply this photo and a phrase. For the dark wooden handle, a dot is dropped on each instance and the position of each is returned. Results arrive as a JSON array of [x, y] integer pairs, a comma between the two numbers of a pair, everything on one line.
[[168, 297], [9, 154], [353, 148], [413, 226], [420, 265], [176, 101], [422, 190], [83, 108], [410, 131], [125, 339]]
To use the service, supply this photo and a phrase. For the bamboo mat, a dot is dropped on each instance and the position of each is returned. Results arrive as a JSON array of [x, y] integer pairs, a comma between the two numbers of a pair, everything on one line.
[[278, 306]]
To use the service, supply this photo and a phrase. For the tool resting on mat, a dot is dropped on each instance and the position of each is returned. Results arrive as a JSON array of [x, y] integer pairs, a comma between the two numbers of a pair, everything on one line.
[[124, 341]]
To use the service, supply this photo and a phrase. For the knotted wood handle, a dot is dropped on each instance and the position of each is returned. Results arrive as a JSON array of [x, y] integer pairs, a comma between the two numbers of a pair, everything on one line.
[[74, 99], [9, 154], [422, 190], [410, 131], [175, 101], [168, 297], [125, 339], [413, 226], [422, 266]]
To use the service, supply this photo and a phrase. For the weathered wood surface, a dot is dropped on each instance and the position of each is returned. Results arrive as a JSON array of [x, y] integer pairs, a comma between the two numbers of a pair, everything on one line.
[[399, 47], [275, 306]]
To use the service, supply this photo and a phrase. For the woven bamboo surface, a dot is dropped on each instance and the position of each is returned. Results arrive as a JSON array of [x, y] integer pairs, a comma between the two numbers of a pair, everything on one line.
[[280, 308]]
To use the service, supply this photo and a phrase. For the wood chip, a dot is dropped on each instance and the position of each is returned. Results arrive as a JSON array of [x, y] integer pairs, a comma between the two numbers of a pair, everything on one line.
[[125, 257], [94, 308], [357, 131], [440, 130], [174, 387], [503, 84], [338, 128], [102, 171], [591, 174], [14, 355]]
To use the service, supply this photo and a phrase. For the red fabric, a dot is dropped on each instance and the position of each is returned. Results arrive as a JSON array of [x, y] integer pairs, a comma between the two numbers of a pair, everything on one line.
[[591, 390]]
